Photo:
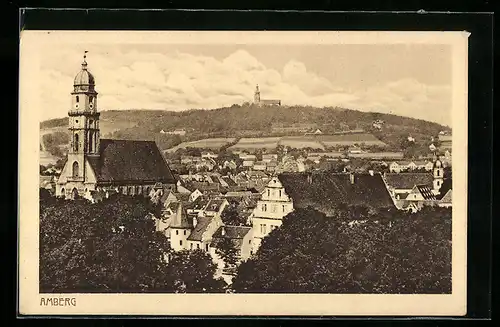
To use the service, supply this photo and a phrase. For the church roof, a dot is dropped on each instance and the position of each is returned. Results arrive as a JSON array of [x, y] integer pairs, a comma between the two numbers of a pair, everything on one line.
[[326, 191], [408, 180], [426, 192], [130, 161]]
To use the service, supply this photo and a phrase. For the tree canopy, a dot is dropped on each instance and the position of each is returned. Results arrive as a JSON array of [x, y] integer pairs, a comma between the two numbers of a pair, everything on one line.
[[112, 246], [354, 252]]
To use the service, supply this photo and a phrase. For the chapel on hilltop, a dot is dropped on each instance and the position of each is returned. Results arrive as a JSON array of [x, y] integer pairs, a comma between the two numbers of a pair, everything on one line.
[[263, 102], [96, 167]]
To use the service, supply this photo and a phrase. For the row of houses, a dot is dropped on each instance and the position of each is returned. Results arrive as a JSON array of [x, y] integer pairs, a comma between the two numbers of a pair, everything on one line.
[[196, 223]]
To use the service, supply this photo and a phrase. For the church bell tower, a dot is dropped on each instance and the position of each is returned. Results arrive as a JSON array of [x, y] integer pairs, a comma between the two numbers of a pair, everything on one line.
[[256, 96], [438, 172], [83, 122]]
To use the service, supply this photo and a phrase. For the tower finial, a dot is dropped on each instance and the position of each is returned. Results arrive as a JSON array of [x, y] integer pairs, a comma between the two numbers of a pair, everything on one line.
[[84, 63]]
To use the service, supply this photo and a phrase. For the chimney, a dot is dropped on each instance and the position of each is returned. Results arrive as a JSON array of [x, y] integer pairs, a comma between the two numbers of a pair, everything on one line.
[[195, 221], [351, 176], [370, 172], [223, 231]]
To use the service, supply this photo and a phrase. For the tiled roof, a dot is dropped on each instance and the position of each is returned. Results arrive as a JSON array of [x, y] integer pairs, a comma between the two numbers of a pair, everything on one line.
[[130, 161], [229, 181], [408, 180], [201, 227], [233, 232], [325, 191], [447, 197], [214, 205], [182, 220], [199, 203], [426, 192]]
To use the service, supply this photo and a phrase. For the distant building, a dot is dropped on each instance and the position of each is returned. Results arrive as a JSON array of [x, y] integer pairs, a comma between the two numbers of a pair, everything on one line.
[[263, 102], [180, 132]]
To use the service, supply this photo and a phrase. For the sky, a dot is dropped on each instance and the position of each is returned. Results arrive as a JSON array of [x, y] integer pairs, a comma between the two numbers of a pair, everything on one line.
[[412, 80]]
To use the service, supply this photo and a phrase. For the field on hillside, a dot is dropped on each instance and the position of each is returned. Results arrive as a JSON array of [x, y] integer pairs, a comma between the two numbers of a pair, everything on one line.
[[256, 143], [300, 142], [214, 144], [349, 139], [109, 126]]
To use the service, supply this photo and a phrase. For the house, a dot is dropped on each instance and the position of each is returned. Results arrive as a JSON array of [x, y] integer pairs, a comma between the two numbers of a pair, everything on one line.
[[268, 157], [271, 166], [178, 131], [246, 156], [427, 165], [259, 165], [178, 225], [186, 160], [325, 191], [269, 211], [398, 166], [421, 193], [206, 224], [230, 164], [208, 155], [446, 200], [400, 185], [410, 138], [197, 205], [183, 187], [230, 183], [195, 195], [355, 149], [48, 183], [248, 163], [378, 155], [314, 132], [215, 207], [290, 165], [432, 148]]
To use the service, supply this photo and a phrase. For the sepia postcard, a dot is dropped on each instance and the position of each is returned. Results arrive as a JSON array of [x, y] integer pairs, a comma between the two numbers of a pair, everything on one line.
[[243, 173]]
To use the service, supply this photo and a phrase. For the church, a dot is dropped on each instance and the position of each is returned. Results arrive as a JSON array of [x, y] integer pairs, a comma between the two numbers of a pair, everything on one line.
[[98, 167], [264, 102]]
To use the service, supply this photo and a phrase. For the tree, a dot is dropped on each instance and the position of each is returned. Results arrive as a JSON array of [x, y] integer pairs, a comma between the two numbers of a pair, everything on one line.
[[231, 216], [192, 272], [227, 251], [110, 246], [354, 252]]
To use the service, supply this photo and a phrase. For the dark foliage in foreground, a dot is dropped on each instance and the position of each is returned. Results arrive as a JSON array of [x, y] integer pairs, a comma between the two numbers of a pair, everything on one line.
[[390, 252], [112, 246]]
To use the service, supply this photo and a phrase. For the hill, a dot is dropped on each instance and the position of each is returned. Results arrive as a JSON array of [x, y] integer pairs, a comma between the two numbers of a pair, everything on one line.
[[252, 121]]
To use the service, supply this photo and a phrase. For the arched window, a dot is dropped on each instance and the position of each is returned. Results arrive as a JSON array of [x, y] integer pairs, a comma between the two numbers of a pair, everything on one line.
[[77, 99], [63, 192], [91, 99], [91, 142], [76, 169], [77, 142], [438, 172]]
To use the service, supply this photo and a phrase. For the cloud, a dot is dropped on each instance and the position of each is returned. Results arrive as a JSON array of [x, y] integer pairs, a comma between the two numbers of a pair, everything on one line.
[[179, 81]]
